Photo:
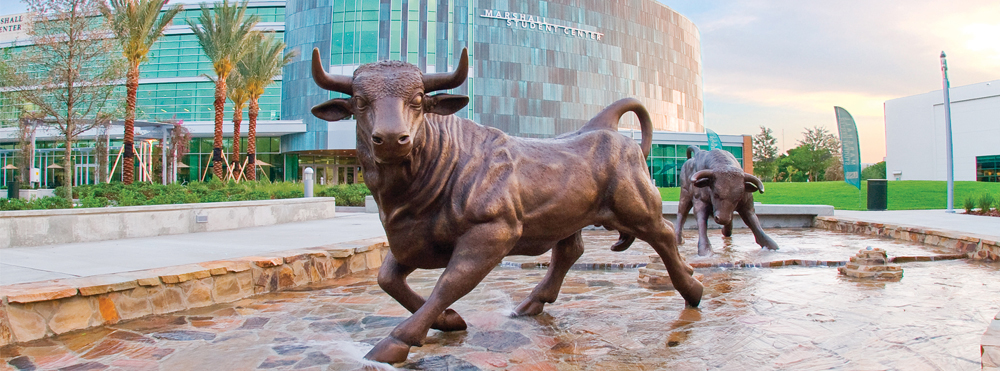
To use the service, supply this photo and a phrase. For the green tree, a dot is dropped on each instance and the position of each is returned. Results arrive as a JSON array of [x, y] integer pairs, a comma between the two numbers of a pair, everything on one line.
[[136, 24], [224, 35], [68, 72], [259, 67], [816, 152], [875, 171], [765, 154]]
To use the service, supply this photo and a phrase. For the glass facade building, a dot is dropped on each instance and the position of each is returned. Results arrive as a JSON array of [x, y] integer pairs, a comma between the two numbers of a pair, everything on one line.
[[537, 69], [988, 168]]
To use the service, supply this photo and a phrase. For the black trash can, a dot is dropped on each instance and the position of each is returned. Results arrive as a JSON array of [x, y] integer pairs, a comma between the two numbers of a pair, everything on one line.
[[878, 191], [13, 188]]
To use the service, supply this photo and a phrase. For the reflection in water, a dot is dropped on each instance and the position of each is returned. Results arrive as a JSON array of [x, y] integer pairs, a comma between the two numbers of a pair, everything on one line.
[[794, 318]]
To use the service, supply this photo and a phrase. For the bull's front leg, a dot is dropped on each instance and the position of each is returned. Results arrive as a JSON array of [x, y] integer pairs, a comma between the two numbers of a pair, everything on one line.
[[762, 239], [703, 211], [683, 208], [392, 279], [565, 253], [476, 253]]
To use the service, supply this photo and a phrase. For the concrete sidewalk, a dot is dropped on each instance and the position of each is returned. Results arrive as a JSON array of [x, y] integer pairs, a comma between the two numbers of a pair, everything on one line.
[[41, 263], [986, 226]]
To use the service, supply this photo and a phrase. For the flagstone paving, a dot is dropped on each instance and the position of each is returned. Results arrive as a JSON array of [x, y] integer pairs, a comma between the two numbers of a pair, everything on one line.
[[802, 318]]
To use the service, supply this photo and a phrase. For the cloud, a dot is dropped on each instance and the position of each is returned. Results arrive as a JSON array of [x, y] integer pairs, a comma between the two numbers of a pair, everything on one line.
[[785, 63]]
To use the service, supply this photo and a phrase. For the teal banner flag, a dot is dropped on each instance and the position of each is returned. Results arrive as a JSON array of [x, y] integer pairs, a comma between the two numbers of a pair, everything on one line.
[[713, 140], [850, 148]]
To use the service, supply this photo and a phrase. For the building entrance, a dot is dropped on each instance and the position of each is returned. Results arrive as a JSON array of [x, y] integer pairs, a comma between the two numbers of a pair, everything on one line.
[[330, 170]]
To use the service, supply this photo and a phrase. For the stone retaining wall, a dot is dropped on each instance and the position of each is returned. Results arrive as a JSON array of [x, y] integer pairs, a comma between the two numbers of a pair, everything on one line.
[[770, 216], [49, 227], [975, 246], [37, 310]]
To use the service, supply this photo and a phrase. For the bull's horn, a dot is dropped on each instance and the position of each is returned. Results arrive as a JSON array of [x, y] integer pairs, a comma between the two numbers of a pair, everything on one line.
[[702, 174], [747, 177], [337, 83], [448, 80]]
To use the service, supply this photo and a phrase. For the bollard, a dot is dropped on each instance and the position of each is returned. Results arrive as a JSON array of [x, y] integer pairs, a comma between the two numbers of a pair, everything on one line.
[[307, 178]]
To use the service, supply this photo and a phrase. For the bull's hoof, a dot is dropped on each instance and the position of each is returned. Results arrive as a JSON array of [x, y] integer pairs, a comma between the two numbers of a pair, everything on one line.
[[529, 307], [692, 295], [389, 350], [449, 320]]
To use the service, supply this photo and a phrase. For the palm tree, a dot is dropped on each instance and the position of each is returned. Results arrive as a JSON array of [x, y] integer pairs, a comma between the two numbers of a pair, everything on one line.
[[224, 37], [239, 95], [259, 68], [137, 24]]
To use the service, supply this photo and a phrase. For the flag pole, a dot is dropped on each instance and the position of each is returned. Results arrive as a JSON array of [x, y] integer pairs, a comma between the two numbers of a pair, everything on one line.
[[947, 135]]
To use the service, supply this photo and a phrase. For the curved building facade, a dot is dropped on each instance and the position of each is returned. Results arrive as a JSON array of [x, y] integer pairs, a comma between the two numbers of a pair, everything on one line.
[[538, 68]]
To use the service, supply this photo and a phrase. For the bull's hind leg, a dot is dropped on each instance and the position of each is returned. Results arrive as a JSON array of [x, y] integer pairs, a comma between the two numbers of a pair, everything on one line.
[[564, 254], [392, 279]]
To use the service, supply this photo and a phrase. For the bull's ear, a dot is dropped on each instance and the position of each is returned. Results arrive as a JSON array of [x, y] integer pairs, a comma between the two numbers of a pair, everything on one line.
[[702, 182], [333, 109], [445, 104], [750, 187]]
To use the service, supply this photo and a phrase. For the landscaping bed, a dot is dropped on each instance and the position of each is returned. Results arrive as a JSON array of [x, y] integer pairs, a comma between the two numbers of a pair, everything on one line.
[[139, 194]]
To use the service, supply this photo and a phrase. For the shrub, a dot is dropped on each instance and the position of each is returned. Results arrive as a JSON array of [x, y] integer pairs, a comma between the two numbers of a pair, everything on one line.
[[986, 202], [969, 205], [346, 194]]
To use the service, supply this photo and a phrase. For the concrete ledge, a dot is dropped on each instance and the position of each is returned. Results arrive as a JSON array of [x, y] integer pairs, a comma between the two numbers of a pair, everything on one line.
[[37, 310], [49, 227], [973, 246], [770, 216]]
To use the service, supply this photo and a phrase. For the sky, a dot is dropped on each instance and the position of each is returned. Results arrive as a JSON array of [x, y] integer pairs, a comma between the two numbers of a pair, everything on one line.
[[784, 64]]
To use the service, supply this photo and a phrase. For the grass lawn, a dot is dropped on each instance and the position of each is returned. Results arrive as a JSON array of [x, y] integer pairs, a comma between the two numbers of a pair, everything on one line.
[[903, 195]]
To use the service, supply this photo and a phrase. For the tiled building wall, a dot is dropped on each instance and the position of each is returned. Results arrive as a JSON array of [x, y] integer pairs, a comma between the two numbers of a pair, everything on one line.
[[535, 80]]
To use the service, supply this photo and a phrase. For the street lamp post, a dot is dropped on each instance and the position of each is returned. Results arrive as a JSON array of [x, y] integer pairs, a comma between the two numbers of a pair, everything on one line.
[[947, 135]]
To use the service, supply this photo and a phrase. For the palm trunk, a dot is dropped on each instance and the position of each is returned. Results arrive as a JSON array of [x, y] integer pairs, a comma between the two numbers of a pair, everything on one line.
[[252, 140], [220, 103], [128, 157], [237, 120]]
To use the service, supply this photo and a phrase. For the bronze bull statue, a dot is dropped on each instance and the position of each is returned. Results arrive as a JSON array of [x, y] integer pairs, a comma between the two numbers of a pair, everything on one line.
[[457, 195], [715, 185]]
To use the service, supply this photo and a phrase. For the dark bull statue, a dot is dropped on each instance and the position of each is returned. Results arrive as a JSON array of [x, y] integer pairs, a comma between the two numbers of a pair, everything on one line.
[[457, 195], [716, 186]]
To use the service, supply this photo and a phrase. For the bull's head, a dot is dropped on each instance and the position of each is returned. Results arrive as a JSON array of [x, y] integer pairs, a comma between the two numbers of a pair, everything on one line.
[[389, 100], [728, 188]]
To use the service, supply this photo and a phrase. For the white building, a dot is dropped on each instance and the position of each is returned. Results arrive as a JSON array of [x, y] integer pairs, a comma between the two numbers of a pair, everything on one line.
[[915, 134]]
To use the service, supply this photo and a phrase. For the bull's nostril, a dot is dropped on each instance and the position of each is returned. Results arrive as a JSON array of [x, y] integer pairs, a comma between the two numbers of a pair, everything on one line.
[[404, 139], [376, 139]]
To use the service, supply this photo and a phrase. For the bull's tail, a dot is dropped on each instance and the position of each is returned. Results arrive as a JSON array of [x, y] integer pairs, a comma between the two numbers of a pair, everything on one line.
[[609, 117], [692, 149]]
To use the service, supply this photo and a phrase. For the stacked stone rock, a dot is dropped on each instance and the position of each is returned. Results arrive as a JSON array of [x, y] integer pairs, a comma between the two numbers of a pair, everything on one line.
[[655, 273], [872, 263]]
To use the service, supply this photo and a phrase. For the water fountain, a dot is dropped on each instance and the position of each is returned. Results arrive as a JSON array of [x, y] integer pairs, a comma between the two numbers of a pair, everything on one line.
[[800, 314]]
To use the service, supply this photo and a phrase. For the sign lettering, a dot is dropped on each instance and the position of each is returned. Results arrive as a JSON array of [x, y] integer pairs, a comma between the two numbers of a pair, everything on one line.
[[533, 22]]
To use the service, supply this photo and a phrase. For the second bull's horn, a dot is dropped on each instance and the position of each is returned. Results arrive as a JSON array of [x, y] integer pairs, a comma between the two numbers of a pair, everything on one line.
[[448, 80], [337, 83]]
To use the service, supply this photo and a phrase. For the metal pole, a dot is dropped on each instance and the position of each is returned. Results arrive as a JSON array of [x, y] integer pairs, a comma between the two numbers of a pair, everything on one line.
[[947, 135]]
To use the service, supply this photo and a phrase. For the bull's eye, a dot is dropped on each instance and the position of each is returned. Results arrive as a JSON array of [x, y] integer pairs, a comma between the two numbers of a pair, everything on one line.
[[417, 101], [360, 103]]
